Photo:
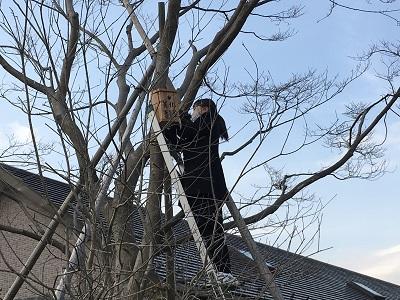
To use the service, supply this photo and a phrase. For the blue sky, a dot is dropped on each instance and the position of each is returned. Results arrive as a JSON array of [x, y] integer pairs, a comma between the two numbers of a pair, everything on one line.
[[360, 224], [360, 221]]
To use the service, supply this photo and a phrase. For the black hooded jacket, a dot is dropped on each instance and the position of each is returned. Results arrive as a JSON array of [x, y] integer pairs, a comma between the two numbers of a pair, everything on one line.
[[199, 143]]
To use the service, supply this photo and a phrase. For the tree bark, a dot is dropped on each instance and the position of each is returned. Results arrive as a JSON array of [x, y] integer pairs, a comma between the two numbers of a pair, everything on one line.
[[121, 222], [152, 224]]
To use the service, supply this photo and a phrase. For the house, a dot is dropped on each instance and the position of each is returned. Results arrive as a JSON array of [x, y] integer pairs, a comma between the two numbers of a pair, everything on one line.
[[26, 207]]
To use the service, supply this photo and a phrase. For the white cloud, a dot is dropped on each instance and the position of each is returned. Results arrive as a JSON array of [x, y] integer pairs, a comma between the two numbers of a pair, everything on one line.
[[384, 264], [387, 270], [389, 251], [16, 132], [20, 132]]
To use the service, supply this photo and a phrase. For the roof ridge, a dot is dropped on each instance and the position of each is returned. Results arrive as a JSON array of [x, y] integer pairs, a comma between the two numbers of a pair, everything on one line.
[[7, 167]]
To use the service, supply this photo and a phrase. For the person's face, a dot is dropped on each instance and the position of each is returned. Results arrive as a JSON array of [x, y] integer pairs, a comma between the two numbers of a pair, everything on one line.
[[199, 110]]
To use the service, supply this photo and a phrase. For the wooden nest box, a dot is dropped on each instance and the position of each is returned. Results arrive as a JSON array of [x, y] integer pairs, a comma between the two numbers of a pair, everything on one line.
[[166, 105]]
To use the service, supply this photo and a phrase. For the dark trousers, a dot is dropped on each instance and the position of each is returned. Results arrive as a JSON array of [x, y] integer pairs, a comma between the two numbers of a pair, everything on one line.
[[208, 216]]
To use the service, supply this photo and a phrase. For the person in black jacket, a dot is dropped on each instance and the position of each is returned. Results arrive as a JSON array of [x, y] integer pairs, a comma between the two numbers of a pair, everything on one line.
[[203, 179]]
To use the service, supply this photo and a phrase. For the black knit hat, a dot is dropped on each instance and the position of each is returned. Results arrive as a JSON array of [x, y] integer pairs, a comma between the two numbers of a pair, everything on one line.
[[205, 102]]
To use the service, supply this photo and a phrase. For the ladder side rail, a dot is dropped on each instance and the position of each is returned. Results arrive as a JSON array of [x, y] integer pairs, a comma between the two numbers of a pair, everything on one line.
[[211, 272], [180, 191]]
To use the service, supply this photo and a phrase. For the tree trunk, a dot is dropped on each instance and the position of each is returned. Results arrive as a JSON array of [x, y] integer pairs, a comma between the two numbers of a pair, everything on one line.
[[152, 223]]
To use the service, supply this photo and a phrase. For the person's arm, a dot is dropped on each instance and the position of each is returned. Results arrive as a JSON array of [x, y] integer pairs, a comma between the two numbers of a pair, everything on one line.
[[179, 135], [171, 134], [190, 130]]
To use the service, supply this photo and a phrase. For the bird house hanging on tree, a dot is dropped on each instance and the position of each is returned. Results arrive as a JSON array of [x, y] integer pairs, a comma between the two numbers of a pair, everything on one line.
[[166, 105]]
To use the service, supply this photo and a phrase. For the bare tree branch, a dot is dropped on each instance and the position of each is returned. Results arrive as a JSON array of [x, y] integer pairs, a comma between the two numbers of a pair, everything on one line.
[[60, 246], [321, 174]]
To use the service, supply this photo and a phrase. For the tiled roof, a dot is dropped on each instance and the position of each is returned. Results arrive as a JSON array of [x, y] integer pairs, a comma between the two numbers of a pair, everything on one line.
[[299, 278]]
